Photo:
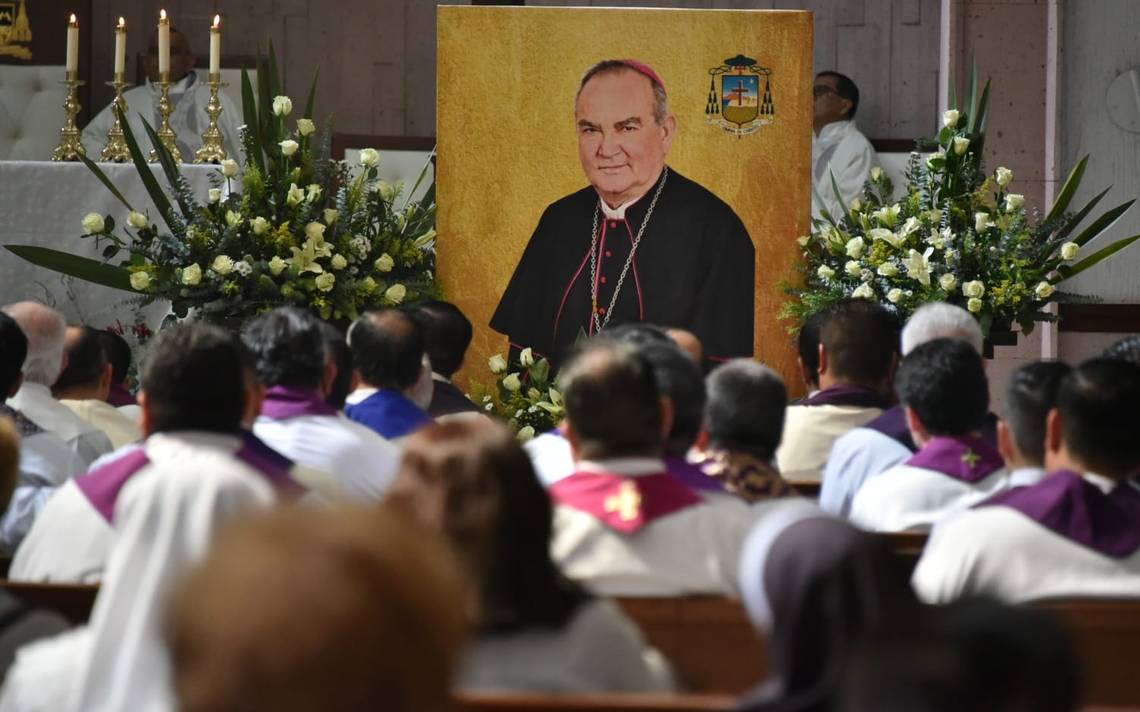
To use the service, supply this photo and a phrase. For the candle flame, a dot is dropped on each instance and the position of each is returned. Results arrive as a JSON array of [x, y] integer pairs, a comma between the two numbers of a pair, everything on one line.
[[122, 24], [162, 15], [73, 21], [217, 21]]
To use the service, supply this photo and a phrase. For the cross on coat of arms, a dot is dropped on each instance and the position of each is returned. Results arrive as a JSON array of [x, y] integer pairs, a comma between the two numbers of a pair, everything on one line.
[[741, 101]]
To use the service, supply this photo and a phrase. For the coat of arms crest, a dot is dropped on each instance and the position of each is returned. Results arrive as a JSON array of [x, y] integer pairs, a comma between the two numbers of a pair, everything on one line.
[[14, 29], [741, 101]]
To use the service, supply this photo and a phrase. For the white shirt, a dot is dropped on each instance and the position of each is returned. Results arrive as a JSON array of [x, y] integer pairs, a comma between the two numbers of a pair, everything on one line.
[[855, 457], [70, 540], [599, 650], [906, 498], [189, 119], [360, 464], [164, 523], [839, 149], [36, 402], [691, 551], [118, 426], [810, 431], [998, 551]]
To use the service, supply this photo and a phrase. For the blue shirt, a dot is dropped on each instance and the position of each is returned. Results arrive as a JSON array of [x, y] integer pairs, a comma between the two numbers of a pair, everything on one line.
[[388, 412]]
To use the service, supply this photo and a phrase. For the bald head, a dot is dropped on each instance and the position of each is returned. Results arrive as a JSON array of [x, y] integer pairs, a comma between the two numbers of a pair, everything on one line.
[[387, 349], [688, 342], [46, 330]]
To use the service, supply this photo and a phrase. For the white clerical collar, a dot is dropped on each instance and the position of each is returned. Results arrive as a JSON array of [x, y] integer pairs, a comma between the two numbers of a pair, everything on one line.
[[618, 213], [627, 466], [1102, 483], [1026, 476], [179, 87]]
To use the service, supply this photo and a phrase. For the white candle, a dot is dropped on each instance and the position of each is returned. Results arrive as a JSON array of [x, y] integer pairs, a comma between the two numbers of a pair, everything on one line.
[[121, 48], [216, 47], [163, 44], [73, 44]]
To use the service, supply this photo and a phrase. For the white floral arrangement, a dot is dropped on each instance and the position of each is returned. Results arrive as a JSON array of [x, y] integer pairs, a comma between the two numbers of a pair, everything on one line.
[[525, 399], [958, 235]]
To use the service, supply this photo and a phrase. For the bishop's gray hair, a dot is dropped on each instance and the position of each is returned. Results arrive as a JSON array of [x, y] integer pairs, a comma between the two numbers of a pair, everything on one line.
[[610, 66]]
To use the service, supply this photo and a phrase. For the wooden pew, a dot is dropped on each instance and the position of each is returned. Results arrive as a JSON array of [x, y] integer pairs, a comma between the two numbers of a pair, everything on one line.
[[72, 601], [806, 488], [518, 702], [906, 546], [1108, 637]]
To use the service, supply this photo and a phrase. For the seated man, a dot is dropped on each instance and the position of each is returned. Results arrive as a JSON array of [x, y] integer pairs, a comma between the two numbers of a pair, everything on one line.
[[623, 526], [46, 461], [942, 385], [744, 419], [47, 331], [1076, 533], [388, 353], [119, 355], [1031, 394], [194, 399], [857, 358], [885, 441], [85, 383], [296, 420], [345, 380], [447, 334], [807, 358], [838, 148]]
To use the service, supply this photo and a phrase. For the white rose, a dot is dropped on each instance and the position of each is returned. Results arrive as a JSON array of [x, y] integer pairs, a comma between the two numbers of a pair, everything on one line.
[[950, 118], [1003, 176], [863, 291], [339, 262], [315, 232], [856, 204], [497, 364], [982, 221], [825, 272], [222, 265], [526, 357], [1069, 250], [386, 190], [229, 168], [325, 281], [295, 195], [288, 147], [384, 263], [396, 293], [282, 105], [260, 226], [140, 280], [369, 157], [853, 268], [191, 275], [894, 295], [305, 126], [855, 247], [512, 382], [948, 282], [215, 194], [313, 192], [960, 145], [876, 173], [888, 269], [803, 240], [1044, 290], [277, 265], [974, 305], [526, 433], [138, 220], [233, 219], [1014, 201], [973, 289], [331, 215]]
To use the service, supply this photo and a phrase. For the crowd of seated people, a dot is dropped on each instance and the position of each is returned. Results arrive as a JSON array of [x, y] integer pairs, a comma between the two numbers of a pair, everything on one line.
[[303, 516]]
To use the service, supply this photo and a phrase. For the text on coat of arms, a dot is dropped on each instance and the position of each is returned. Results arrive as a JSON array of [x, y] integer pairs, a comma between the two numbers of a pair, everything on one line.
[[740, 96]]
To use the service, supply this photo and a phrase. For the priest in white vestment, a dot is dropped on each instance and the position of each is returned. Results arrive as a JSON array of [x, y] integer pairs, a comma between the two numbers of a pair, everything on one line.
[[838, 148], [85, 385], [1076, 533], [189, 94]]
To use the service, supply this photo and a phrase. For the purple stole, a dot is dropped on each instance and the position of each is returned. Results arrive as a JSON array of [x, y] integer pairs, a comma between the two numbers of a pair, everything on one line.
[[968, 459], [849, 395], [119, 396], [892, 423], [1067, 505], [284, 402], [625, 504], [692, 475], [103, 485]]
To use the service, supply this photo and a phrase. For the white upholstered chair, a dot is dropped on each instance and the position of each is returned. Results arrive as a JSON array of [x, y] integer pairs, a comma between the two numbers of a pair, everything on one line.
[[31, 111]]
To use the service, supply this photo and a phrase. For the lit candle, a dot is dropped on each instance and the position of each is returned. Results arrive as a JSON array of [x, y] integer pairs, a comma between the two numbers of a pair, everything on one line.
[[73, 44], [163, 45], [121, 48], [216, 47]]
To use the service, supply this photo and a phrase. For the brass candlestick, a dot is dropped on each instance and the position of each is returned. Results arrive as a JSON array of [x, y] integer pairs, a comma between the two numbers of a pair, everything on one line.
[[165, 109], [213, 148], [70, 146], [116, 150]]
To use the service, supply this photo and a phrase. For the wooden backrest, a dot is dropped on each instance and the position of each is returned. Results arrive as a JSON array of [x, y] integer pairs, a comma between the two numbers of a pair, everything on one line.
[[72, 601], [805, 488], [709, 640], [512, 702], [906, 546]]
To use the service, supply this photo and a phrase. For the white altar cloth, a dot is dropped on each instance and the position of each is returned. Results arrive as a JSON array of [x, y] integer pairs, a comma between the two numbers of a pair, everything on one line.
[[44, 203]]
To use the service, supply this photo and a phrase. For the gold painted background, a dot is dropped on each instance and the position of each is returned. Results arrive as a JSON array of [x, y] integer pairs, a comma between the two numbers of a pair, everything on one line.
[[508, 146]]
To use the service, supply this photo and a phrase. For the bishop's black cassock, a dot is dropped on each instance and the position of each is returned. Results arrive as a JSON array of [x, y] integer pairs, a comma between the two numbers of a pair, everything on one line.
[[694, 269]]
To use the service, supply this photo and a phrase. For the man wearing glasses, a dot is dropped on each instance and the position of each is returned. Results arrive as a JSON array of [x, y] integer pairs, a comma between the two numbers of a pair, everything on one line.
[[188, 93], [838, 148]]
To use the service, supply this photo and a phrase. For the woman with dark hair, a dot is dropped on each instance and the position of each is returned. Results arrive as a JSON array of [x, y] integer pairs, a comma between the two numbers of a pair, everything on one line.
[[538, 631]]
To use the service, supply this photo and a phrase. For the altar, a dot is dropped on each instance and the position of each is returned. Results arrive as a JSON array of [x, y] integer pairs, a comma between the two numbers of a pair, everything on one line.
[[44, 203]]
